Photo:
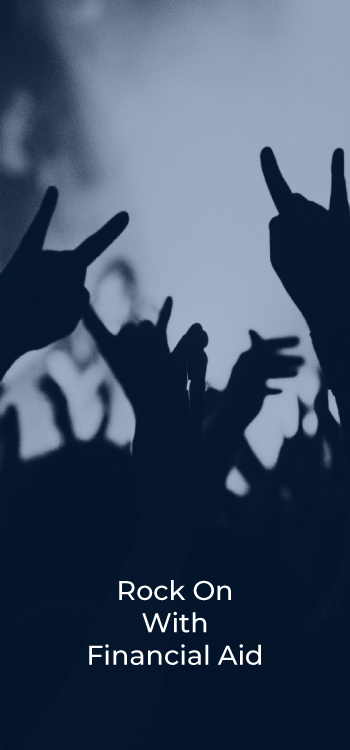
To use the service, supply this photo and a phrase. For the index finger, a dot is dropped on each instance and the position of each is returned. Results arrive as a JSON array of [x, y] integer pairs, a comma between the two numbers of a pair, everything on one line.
[[95, 245], [339, 204], [279, 190], [165, 313], [283, 342]]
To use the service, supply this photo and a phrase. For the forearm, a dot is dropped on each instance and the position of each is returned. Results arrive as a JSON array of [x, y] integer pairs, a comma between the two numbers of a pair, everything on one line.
[[222, 435], [332, 346], [8, 356]]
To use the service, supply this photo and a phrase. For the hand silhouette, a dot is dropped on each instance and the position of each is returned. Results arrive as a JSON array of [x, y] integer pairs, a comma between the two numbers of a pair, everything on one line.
[[167, 439], [310, 246], [168, 502], [230, 412], [265, 360], [42, 294], [136, 353]]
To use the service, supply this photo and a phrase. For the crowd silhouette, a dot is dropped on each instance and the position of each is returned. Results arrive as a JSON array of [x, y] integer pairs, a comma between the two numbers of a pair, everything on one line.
[[83, 517]]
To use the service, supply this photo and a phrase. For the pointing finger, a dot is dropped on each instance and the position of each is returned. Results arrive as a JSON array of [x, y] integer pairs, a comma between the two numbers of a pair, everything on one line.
[[165, 313], [283, 342], [34, 238], [279, 190], [95, 245], [339, 205]]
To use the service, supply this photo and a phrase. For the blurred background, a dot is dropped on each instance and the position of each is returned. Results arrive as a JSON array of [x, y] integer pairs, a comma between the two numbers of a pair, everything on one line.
[[161, 108]]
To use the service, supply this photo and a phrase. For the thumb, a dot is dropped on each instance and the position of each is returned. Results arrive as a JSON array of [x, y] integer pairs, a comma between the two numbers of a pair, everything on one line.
[[272, 391], [255, 339], [338, 204], [95, 245], [97, 329], [34, 237]]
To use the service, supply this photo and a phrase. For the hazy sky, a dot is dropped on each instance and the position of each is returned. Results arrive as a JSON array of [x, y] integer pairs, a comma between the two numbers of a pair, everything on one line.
[[177, 100], [177, 106]]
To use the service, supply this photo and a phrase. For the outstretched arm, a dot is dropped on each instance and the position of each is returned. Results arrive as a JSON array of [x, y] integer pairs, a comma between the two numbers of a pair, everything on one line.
[[310, 252]]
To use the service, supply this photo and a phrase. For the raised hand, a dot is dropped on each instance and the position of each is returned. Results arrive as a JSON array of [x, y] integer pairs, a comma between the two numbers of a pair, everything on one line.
[[136, 353], [167, 438], [168, 503], [42, 294], [310, 246], [265, 360], [229, 412]]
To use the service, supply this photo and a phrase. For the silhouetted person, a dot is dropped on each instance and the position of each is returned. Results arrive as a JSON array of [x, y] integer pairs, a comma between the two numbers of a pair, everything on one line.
[[166, 455], [310, 252]]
